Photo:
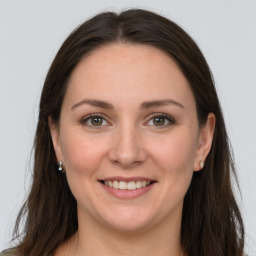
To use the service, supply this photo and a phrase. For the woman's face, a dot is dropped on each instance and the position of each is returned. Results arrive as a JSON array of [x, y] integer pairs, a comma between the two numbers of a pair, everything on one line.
[[129, 137]]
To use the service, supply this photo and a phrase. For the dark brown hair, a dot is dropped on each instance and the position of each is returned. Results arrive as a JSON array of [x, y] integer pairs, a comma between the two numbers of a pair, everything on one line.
[[211, 221]]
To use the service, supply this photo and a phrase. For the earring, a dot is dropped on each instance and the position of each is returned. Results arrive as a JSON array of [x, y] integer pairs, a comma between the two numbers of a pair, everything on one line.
[[60, 168], [201, 164]]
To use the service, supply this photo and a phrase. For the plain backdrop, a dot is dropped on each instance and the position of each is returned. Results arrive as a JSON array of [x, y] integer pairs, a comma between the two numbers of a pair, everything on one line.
[[31, 33]]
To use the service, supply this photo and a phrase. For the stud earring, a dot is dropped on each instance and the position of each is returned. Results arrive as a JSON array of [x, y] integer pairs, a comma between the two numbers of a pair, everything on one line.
[[60, 168], [201, 164]]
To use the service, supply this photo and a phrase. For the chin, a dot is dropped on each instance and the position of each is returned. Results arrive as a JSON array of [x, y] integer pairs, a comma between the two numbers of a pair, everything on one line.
[[129, 220]]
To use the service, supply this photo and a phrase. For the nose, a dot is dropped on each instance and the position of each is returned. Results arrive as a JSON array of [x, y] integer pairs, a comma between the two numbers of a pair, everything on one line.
[[127, 149]]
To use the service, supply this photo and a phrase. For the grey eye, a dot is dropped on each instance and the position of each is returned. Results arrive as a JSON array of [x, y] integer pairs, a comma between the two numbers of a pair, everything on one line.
[[159, 121], [96, 121]]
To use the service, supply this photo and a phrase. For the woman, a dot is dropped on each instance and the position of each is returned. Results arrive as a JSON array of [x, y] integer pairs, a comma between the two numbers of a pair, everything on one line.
[[130, 114]]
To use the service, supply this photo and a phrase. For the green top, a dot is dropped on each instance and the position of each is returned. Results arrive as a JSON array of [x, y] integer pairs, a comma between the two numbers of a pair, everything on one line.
[[9, 252]]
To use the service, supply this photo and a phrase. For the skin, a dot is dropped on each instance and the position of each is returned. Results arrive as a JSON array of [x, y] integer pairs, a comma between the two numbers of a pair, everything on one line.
[[129, 142]]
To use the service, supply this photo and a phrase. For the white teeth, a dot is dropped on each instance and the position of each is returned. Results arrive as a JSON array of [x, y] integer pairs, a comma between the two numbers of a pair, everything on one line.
[[131, 185], [138, 184], [110, 183], [122, 185], [115, 184]]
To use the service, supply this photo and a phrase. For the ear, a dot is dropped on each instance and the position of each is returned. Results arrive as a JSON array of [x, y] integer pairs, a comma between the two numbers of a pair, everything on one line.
[[205, 141], [55, 134]]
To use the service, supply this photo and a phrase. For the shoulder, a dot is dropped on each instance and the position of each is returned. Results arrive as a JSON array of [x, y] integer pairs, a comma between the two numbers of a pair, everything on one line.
[[9, 252]]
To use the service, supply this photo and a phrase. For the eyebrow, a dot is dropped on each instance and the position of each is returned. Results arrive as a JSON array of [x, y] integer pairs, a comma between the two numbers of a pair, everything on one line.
[[159, 103], [94, 103], [144, 105]]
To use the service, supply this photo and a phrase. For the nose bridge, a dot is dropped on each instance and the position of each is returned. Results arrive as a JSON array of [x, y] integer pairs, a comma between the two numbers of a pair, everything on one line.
[[127, 148]]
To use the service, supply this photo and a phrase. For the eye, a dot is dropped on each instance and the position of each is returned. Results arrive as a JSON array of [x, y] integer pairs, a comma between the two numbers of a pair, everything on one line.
[[94, 120], [160, 120]]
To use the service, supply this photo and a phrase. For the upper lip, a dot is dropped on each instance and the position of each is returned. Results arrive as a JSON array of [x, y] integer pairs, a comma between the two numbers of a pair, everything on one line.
[[127, 179]]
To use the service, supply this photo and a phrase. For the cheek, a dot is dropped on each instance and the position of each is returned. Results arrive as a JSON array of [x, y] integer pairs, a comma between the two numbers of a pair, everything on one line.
[[82, 154], [177, 162], [175, 156], [176, 153], [82, 157]]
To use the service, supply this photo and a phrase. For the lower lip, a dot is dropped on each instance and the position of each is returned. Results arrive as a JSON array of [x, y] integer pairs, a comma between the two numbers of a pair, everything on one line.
[[127, 194]]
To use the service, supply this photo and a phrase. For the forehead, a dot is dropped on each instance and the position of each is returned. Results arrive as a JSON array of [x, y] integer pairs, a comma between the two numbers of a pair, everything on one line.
[[125, 58], [134, 71]]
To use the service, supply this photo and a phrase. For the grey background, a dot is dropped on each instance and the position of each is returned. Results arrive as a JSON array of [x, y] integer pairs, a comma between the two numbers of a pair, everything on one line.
[[31, 33]]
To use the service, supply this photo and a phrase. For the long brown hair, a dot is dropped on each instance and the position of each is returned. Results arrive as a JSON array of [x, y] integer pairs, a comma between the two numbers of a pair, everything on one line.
[[211, 221]]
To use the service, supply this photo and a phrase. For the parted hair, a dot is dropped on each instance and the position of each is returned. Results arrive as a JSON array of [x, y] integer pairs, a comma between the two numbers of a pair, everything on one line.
[[211, 220]]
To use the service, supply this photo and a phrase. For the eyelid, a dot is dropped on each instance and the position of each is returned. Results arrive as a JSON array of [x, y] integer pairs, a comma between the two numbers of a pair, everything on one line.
[[87, 117], [170, 119]]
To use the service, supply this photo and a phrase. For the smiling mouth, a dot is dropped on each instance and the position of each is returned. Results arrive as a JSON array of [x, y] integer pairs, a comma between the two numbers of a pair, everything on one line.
[[123, 185]]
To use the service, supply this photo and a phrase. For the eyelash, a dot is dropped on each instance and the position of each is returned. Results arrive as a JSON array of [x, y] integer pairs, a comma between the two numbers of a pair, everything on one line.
[[88, 117], [162, 115], [169, 119]]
